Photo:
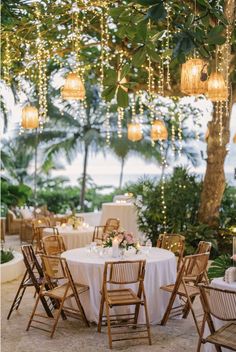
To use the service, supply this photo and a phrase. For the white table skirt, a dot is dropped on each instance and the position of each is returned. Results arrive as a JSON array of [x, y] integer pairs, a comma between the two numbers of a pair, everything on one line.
[[217, 283], [74, 238], [126, 212], [87, 268]]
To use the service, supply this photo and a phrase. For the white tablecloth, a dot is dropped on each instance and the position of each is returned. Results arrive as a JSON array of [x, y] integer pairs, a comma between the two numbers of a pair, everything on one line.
[[126, 212], [87, 268], [217, 283], [74, 238]]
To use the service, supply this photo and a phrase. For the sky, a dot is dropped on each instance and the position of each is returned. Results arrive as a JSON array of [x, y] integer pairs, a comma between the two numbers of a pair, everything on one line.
[[105, 169]]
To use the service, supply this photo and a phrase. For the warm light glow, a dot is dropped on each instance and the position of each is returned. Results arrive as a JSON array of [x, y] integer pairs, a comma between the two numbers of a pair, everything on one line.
[[159, 131], [30, 117], [135, 132], [73, 88], [191, 74], [217, 89], [234, 138]]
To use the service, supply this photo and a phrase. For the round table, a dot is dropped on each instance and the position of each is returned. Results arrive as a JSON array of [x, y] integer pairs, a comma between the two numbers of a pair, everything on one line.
[[125, 212], [73, 238], [87, 268], [217, 283]]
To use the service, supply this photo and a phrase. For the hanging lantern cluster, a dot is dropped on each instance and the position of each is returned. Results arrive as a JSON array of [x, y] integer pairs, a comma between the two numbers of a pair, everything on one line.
[[193, 77], [30, 118], [159, 131], [217, 89], [73, 88]]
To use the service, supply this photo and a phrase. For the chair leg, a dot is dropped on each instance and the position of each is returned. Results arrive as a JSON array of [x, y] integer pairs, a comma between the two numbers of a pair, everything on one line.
[[81, 310], [168, 309], [17, 296], [186, 309], [57, 318], [147, 319], [33, 312], [100, 313], [108, 325]]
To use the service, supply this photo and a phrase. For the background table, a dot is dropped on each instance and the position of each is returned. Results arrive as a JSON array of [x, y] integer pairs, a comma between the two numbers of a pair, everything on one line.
[[217, 283], [74, 238], [126, 212], [87, 268]]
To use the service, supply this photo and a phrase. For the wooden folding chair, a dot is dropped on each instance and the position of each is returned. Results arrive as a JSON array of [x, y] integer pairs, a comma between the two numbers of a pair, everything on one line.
[[112, 224], [220, 304], [61, 287], [33, 277], [174, 243], [203, 247], [53, 245], [123, 273], [189, 276], [38, 235]]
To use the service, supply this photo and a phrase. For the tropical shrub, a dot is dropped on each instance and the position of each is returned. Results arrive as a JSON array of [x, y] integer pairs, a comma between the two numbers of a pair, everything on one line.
[[182, 197], [219, 266], [6, 256], [15, 195]]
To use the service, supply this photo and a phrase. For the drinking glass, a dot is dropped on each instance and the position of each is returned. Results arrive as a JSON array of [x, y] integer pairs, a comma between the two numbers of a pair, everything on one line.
[[149, 245]]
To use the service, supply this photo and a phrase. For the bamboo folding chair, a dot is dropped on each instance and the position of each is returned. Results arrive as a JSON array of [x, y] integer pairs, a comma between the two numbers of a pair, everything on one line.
[[53, 245], [174, 243], [220, 304], [38, 235], [194, 266], [112, 224], [203, 247], [33, 277], [61, 287], [123, 273]]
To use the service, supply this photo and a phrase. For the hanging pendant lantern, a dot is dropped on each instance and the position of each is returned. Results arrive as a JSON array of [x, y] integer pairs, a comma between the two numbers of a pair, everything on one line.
[[217, 89], [193, 77], [73, 88], [159, 131], [135, 132], [30, 118]]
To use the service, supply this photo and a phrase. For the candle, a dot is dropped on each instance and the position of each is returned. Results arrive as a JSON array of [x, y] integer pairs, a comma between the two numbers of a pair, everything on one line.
[[63, 225], [115, 248], [138, 246]]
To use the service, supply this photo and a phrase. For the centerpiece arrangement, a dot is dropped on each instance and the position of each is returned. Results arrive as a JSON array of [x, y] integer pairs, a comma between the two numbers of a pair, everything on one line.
[[74, 221], [120, 241]]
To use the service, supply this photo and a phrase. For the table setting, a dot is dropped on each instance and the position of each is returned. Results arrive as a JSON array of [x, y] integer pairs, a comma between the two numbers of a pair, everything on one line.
[[74, 236], [87, 265]]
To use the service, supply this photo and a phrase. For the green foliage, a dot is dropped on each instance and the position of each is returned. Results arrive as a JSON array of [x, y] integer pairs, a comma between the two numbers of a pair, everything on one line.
[[219, 265], [60, 199], [3, 210], [182, 197], [15, 195], [6, 256]]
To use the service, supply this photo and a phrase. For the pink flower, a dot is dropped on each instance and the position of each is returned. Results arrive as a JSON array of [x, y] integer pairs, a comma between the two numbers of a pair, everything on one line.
[[234, 257], [129, 238], [106, 237]]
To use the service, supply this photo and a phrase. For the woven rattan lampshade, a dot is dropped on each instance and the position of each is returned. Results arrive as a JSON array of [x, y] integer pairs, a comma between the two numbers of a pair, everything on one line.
[[30, 118], [159, 131], [191, 77], [135, 132], [73, 88], [217, 89]]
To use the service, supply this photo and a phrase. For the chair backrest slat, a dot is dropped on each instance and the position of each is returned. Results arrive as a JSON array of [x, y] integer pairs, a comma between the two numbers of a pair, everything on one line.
[[124, 272], [203, 247], [195, 266], [53, 245], [219, 303]]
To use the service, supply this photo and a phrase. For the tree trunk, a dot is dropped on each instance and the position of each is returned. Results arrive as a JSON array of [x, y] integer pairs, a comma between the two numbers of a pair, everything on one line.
[[121, 172], [214, 180], [83, 186]]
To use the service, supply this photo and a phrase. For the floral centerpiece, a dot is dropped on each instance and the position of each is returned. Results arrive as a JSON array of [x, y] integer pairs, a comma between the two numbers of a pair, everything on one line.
[[123, 240], [74, 221]]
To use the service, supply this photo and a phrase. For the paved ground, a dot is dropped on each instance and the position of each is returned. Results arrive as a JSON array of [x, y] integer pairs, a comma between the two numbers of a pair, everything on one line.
[[72, 335]]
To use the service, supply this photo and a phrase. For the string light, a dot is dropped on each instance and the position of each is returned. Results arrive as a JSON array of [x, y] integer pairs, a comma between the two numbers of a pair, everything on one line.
[[41, 59], [7, 62], [107, 125], [163, 203], [119, 121], [180, 138], [166, 62]]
